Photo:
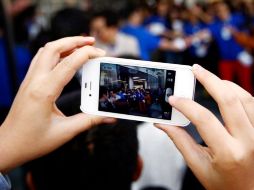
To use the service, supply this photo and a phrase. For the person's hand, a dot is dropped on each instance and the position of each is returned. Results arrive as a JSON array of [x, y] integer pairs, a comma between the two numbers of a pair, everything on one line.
[[228, 161], [35, 126]]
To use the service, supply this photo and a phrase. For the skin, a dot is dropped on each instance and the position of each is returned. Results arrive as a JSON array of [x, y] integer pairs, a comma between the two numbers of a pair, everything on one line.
[[100, 30], [228, 160], [223, 11], [35, 126]]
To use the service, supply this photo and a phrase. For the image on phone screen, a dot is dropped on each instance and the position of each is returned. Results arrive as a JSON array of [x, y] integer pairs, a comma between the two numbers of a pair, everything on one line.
[[138, 91]]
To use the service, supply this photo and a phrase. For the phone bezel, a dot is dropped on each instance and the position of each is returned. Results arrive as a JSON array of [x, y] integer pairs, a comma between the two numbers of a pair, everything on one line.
[[184, 87]]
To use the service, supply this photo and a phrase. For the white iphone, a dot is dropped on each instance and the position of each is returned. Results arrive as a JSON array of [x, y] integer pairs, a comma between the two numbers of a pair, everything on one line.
[[135, 90]]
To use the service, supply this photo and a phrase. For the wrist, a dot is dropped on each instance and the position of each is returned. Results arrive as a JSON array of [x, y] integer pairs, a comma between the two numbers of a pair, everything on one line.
[[9, 151]]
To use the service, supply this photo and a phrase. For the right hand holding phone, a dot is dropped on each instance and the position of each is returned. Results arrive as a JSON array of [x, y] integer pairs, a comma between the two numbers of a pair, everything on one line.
[[228, 160]]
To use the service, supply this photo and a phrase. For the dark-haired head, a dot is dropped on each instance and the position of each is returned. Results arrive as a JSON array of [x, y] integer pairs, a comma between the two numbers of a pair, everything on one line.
[[106, 157], [134, 7], [1, 20], [111, 17], [104, 26], [69, 22]]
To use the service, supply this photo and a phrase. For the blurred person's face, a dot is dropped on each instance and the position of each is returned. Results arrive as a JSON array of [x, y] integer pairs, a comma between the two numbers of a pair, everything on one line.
[[163, 8], [174, 15], [137, 17], [191, 16], [101, 31], [249, 5], [223, 11]]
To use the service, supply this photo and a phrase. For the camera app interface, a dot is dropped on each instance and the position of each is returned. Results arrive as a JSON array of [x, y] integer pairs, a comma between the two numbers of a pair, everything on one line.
[[138, 91]]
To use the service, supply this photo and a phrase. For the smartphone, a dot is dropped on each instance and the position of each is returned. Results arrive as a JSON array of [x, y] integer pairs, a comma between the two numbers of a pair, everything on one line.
[[135, 90]]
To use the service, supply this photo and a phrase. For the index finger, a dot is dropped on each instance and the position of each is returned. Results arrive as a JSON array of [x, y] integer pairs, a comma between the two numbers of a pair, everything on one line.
[[230, 106], [246, 99], [52, 51], [67, 68], [209, 127]]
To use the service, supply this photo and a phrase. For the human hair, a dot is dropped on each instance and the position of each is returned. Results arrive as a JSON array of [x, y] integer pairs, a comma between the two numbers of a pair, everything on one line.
[[20, 21], [103, 158], [133, 7], [111, 17], [1, 19], [69, 22]]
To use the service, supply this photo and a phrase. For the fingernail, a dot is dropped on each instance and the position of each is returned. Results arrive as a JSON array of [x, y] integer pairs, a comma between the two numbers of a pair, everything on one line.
[[89, 38], [109, 120], [100, 51], [197, 68], [172, 100], [157, 125]]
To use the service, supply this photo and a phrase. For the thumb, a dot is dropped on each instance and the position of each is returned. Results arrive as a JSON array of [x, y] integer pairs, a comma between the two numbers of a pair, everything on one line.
[[82, 122]]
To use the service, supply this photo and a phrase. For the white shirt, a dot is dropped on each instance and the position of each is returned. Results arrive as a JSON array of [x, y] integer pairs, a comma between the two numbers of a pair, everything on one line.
[[164, 166], [124, 45]]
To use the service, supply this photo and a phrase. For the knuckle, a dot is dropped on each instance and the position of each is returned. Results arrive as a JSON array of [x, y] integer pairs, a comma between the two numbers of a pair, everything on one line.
[[89, 48], [41, 49], [245, 96], [248, 99], [40, 92], [230, 160], [229, 99], [49, 46], [92, 122], [238, 158], [67, 67], [89, 52], [207, 116]]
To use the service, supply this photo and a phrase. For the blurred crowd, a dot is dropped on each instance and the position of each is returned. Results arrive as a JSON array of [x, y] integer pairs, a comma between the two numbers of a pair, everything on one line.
[[217, 34]]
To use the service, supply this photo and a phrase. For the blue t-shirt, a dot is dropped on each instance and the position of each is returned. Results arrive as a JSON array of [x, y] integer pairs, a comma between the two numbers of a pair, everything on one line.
[[228, 47], [147, 42], [157, 19], [200, 48], [23, 58]]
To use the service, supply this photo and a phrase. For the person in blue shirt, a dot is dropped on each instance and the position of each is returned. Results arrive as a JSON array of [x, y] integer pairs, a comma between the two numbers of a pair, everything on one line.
[[148, 42], [158, 22], [231, 64], [22, 57], [192, 26], [160, 25], [203, 51]]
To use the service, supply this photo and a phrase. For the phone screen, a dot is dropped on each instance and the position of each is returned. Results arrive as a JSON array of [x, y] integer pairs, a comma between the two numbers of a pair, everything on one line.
[[137, 91]]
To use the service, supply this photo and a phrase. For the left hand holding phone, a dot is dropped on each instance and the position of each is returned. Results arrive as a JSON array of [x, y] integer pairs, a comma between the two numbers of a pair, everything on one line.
[[228, 160], [34, 125]]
